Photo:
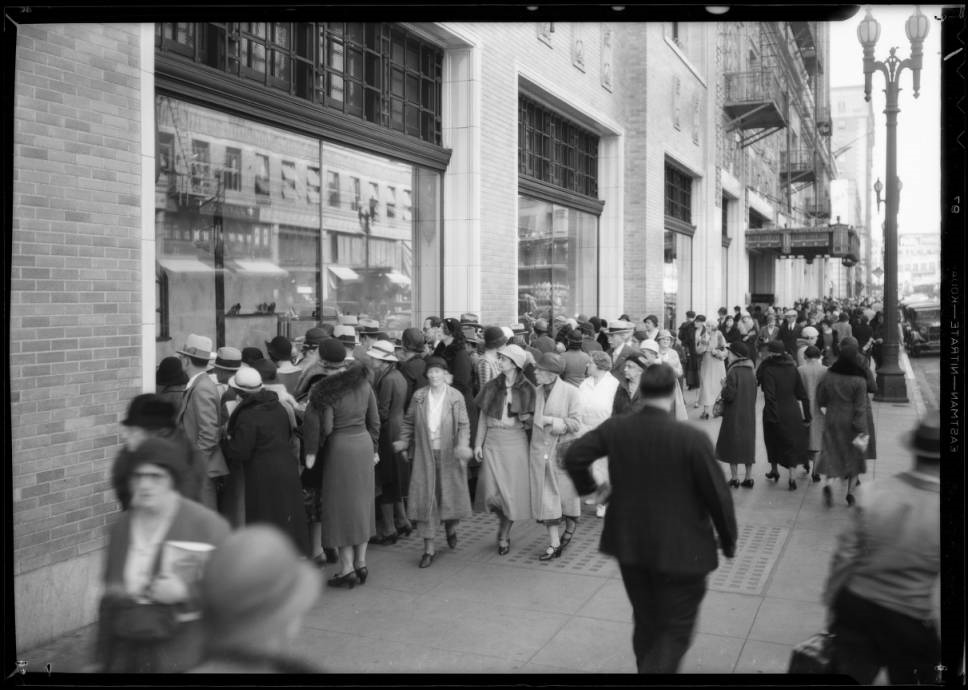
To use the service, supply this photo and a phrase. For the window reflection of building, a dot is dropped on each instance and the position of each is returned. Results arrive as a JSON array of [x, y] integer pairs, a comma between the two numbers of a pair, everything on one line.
[[558, 212], [679, 230], [285, 262]]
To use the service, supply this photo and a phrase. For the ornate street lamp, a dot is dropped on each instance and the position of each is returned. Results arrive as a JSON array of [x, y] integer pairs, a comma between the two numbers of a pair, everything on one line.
[[878, 188], [890, 377]]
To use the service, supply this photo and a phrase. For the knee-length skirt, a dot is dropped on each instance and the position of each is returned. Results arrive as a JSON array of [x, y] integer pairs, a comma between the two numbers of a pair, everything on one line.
[[347, 510]]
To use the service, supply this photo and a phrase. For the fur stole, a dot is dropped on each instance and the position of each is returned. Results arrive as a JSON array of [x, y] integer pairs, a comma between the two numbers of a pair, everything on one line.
[[330, 389]]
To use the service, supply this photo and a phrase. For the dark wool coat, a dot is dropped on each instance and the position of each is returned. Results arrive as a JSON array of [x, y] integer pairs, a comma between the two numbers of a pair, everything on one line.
[[789, 334], [690, 363], [785, 433], [737, 434], [454, 499], [843, 391], [414, 372], [193, 522], [667, 492], [391, 472], [257, 439], [462, 370]]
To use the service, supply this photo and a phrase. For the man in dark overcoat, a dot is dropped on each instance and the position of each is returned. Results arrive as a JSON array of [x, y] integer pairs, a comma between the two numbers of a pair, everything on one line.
[[667, 493], [687, 336]]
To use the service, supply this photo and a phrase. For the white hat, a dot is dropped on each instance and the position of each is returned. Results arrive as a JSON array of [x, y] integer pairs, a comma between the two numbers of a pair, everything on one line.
[[247, 380], [382, 349], [649, 345], [809, 332], [508, 333], [515, 354], [198, 346]]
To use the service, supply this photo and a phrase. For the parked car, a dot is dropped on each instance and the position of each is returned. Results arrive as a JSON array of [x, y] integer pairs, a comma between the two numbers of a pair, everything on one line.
[[922, 327]]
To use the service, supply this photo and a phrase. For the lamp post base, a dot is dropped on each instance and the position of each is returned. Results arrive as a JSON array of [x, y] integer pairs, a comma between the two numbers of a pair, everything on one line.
[[891, 386]]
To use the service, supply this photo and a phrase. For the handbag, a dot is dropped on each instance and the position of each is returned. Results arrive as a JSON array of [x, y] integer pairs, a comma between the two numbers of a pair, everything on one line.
[[814, 655], [144, 622], [718, 407], [861, 441]]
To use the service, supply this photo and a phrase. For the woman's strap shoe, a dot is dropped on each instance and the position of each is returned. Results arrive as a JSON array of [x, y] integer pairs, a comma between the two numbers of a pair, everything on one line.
[[747, 483], [734, 483], [550, 552], [452, 539], [566, 537], [361, 574], [348, 580], [427, 559], [503, 546], [385, 541]]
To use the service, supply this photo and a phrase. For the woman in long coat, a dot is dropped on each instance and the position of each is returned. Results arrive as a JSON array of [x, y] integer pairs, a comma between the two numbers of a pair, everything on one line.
[[436, 434], [843, 395], [557, 419], [786, 412], [812, 373], [342, 424], [737, 434], [257, 440], [506, 405], [713, 368]]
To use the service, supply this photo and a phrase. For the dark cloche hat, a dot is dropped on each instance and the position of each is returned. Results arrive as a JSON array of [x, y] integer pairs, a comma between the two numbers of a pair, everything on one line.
[[170, 373], [150, 411]]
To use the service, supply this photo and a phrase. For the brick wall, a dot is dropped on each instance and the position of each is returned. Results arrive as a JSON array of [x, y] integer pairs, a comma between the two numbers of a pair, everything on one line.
[[75, 303]]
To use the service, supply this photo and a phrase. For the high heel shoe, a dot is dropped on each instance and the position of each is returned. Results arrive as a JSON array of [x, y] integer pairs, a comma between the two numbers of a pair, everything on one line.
[[773, 475], [550, 552], [361, 574], [566, 537], [792, 485], [850, 499], [348, 580], [452, 539], [503, 546], [704, 415], [404, 531], [747, 483], [427, 560], [734, 483]]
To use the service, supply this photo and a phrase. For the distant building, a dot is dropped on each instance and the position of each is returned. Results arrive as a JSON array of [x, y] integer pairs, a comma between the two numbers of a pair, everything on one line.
[[853, 149], [776, 163]]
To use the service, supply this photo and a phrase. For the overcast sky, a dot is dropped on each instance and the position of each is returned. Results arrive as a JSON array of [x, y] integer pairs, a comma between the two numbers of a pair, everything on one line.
[[918, 125]]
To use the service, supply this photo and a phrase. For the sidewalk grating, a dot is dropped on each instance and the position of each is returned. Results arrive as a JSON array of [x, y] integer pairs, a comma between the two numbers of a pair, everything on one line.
[[757, 551]]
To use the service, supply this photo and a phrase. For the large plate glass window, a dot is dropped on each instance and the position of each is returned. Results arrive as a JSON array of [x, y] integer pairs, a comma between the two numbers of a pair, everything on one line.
[[558, 211], [250, 245], [679, 230]]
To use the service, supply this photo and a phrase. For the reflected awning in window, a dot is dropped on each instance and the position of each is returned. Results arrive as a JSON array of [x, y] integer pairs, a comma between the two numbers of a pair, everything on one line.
[[398, 278], [344, 273], [185, 265], [258, 267]]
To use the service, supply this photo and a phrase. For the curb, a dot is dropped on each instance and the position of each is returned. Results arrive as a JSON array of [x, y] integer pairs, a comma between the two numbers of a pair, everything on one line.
[[919, 407]]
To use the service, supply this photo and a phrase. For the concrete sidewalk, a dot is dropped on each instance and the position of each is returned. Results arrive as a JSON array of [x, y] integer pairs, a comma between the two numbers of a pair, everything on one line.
[[476, 612]]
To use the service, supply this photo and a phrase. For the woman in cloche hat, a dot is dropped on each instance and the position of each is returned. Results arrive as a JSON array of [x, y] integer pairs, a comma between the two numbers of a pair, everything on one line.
[[257, 441], [506, 407]]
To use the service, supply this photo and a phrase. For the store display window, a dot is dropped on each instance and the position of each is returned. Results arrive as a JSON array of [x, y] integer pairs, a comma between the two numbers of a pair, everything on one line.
[[248, 248], [557, 260]]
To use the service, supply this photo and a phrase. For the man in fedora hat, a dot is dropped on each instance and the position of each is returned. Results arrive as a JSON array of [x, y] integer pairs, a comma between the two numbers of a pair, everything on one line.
[[542, 341], [883, 589], [228, 360], [619, 339], [151, 415], [200, 413], [390, 389], [413, 364]]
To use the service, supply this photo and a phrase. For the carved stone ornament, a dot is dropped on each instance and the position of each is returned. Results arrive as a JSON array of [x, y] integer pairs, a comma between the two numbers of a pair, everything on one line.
[[676, 92], [545, 29], [577, 46], [607, 69]]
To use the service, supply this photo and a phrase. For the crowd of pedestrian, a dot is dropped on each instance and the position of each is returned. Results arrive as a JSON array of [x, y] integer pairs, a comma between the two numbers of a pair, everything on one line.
[[346, 438]]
